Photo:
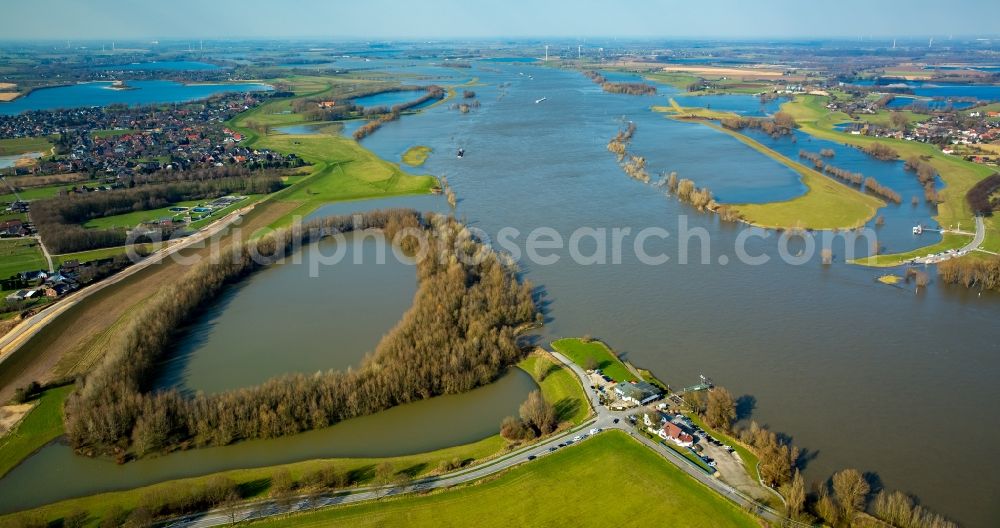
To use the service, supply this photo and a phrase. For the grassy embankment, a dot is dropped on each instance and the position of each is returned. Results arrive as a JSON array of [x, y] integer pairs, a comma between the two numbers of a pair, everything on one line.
[[20, 254], [416, 156], [40, 426], [584, 353], [959, 176], [14, 146], [341, 168], [559, 388], [606, 479], [826, 204]]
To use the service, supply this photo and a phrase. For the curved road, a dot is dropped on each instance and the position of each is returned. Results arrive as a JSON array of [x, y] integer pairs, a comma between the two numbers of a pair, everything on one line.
[[605, 419]]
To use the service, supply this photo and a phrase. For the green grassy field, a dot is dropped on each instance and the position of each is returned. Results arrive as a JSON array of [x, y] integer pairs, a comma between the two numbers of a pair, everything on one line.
[[130, 220], [40, 426], [681, 81], [20, 254], [341, 168], [93, 254], [560, 388], [582, 352], [12, 146], [110, 133], [416, 156], [31, 193], [608, 480]]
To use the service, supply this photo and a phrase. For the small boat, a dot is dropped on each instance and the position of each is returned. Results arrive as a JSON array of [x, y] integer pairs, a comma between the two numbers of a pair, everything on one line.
[[540, 100], [461, 153]]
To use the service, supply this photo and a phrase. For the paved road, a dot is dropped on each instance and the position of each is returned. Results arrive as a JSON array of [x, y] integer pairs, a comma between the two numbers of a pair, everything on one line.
[[29, 327], [980, 235], [977, 240], [604, 419]]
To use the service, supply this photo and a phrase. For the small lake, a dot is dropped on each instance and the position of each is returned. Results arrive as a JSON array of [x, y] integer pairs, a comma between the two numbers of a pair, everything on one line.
[[934, 104], [241, 340], [982, 92], [389, 99], [100, 94], [162, 66]]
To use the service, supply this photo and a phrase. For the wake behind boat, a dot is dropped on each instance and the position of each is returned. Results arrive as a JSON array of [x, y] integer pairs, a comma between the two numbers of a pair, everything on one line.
[[540, 100]]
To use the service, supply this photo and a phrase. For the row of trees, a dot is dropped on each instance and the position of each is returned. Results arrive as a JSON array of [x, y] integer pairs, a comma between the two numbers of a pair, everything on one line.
[[926, 174], [971, 273], [981, 196], [59, 219], [382, 115], [686, 191], [460, 333], [880, 151], [619, 144], [629, 88], [781, 124], [871, 185]]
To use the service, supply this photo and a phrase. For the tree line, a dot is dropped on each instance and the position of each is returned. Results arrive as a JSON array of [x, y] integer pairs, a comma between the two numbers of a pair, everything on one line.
[[629, 88], [460, 333], [880, 151], [782, 124], [980, 196], [59, 219], [926, 174], [382, 115], [871, 185], [983, 273]]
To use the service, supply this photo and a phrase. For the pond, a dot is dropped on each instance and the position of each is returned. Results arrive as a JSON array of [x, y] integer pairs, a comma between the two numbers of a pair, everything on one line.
[[239, 341], [389, 99]]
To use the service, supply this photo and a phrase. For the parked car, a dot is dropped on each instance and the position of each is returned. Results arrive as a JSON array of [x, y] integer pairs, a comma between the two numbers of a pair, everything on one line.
[[615, 420], [594, 431], [577, 438], [532, 457], [551, 449]]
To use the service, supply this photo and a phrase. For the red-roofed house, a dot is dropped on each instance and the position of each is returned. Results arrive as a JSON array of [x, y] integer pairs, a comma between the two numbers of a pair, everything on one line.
[[672, 431]]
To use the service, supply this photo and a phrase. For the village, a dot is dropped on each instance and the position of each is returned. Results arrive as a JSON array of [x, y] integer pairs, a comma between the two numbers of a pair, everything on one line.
[[119, 142]]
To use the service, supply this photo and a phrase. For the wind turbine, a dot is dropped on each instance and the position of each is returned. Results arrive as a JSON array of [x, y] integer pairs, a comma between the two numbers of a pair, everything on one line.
[[546, 52]]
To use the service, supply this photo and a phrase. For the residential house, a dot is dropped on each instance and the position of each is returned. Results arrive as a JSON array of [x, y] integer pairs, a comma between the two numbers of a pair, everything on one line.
[[676, 434]]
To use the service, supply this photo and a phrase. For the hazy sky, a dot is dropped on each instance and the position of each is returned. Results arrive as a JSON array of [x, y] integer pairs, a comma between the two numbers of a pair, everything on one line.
[[366, 19]]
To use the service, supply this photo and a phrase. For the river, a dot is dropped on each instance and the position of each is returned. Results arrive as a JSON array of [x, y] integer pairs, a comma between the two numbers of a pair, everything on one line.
[[881, 378], [885, 379]]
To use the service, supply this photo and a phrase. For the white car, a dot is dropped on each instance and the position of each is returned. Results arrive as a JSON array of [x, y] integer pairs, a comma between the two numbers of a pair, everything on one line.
[[594, 431], [577, 438]]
